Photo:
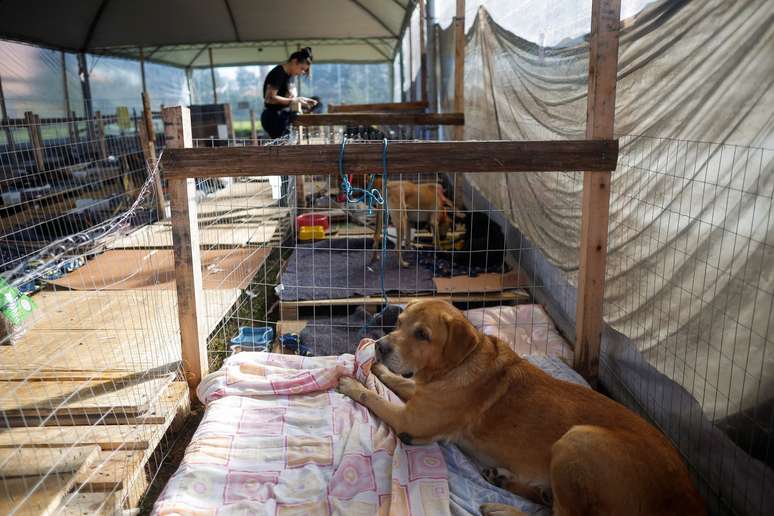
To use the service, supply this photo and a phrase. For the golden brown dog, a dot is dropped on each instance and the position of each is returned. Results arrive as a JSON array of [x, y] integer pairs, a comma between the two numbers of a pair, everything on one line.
[[544, 439], [411, 202]]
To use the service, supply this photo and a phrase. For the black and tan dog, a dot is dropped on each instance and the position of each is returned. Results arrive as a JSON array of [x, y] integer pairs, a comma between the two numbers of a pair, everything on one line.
[[544, 439]]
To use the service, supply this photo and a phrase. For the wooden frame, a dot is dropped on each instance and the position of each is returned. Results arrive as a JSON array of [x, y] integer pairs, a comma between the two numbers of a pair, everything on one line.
[[185, 245], [600, 122], [404, 158], [380, 119], [382, 107]]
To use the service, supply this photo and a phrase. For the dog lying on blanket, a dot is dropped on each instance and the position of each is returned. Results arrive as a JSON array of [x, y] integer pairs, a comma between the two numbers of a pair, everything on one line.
[[411, 202], [544, 439]]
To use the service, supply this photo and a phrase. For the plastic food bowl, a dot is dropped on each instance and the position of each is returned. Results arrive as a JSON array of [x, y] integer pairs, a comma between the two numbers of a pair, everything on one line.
[[253, 338], [314, 218], [311, 233]]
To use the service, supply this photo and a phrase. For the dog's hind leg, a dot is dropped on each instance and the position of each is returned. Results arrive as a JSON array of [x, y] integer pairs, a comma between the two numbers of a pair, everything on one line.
[[401, 224], [504, 479]]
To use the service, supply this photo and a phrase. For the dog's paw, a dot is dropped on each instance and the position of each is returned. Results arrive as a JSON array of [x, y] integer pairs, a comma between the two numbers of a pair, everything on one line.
[[348, 386], [499, 509], [380, 370], [494, 476]]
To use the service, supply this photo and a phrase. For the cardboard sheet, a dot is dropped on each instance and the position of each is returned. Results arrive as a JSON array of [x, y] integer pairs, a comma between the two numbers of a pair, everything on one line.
[[155, 269]]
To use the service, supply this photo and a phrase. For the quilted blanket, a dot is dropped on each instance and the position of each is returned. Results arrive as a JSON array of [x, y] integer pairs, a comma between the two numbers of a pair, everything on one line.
[[278, 439]]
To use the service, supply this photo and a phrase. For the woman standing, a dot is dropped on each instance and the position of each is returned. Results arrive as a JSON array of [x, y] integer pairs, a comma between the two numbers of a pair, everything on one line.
[[278, 94]]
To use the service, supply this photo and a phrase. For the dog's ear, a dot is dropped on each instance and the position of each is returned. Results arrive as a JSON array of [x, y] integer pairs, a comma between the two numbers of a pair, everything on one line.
[[461, 339]]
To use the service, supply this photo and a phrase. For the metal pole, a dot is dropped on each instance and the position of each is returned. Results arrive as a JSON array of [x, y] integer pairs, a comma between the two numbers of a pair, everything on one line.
[[142, 70], [6, 127], [88, 107], [189, 82]]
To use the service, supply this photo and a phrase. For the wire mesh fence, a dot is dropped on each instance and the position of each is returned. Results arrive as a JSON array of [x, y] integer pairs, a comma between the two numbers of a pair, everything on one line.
[[322, 273], [90, 365], [688, 286]]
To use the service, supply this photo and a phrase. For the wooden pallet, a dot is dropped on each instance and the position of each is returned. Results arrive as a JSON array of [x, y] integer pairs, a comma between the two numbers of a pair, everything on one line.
[[36, 480], [116, 476]]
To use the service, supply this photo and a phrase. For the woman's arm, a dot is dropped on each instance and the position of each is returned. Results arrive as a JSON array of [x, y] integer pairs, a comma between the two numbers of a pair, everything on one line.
[[273, 98]]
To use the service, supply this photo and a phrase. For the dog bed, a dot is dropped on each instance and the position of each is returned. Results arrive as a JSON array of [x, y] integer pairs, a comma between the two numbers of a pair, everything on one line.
[[276, 438]]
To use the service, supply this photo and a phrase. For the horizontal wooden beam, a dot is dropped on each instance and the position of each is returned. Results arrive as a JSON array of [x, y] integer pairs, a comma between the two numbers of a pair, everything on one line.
[[403, 158], [381, 119], [383, 107]]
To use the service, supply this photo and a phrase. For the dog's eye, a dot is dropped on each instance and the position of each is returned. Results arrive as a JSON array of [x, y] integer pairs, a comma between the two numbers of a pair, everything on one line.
[[421, 334]]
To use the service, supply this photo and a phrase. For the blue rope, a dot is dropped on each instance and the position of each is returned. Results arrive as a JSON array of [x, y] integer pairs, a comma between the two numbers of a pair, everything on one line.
[[371, 195]]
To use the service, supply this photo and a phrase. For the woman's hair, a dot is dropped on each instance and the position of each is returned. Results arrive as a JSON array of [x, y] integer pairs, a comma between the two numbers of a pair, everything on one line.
[[302, 56]]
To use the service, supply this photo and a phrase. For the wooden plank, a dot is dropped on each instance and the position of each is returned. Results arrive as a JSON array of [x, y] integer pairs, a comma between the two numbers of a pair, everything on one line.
[[160, 236], [381, 107], [507, 295], [395, 118], [600, 122], [64, 399], [30, 462], [171, 406], [404, 158], [110, 471], [89, 504], [459, 65], [120, 437], [188, 267], [41, 494]]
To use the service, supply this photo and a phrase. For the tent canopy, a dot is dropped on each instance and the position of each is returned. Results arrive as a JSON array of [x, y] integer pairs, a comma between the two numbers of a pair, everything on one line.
[[239, 32]]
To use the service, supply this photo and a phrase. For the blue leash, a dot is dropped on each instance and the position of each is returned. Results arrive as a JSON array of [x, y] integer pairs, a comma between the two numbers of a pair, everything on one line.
[[370, 195]]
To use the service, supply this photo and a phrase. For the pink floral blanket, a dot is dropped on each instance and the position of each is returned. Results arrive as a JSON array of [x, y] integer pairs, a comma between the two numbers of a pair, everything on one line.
[[277, 438]]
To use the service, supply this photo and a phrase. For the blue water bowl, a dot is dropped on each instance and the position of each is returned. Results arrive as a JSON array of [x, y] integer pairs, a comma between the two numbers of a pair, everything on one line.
[[253, 339]]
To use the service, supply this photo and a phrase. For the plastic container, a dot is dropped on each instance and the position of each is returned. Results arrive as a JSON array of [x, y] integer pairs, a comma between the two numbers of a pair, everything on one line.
[[292, 342], [314, 218], [311, 233], [253, 338]]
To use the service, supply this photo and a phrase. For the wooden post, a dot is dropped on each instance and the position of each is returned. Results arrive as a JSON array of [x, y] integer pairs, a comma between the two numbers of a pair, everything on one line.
[[600, 123], [229, 121], [150, 153], [142, 69], [459, 65], [36, 140], [103, 152], [185, 244], [253, 130], [422, 50], [212, 76]]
